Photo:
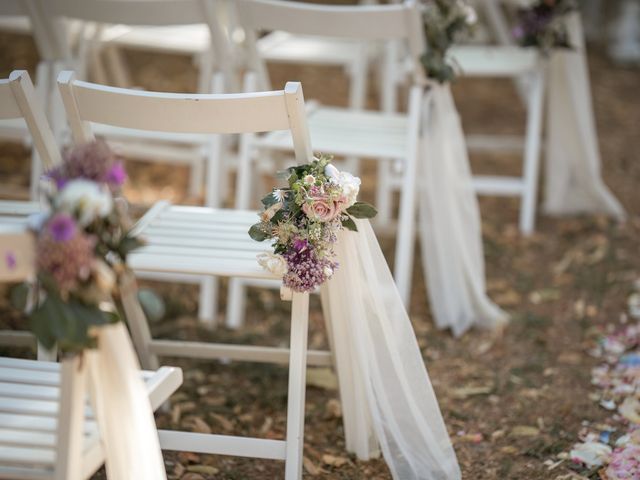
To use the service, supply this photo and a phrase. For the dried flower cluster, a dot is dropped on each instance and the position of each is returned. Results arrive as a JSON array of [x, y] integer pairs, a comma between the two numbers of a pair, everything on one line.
[[444, 21], [82, 244], [303, 220], [542, 24]]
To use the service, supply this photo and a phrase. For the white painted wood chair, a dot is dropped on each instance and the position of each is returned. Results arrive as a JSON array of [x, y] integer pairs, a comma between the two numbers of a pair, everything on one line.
[[165, 16], [47, 429], [18, 102], [386, 137], [527, 69], [204, 241]]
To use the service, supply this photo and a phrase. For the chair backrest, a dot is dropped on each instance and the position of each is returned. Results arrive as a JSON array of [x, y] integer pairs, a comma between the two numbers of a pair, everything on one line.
[[185, 113], [363, 22], [18, 100], [145, 13]]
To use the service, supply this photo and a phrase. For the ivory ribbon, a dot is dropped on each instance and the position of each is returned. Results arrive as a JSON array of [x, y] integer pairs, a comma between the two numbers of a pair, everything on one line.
[[122, 409], [573, 182], [380, 368], [450, 228]]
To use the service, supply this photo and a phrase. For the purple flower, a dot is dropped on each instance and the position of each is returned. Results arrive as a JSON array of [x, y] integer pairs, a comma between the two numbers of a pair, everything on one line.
[[117, 175], [305, 271], [300, 244], [62, 227], [11, 260], [93, 161]]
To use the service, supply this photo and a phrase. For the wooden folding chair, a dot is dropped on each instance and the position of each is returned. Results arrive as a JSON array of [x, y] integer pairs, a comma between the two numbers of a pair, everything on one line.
[[204, 241], [383, 136], [47, 429]]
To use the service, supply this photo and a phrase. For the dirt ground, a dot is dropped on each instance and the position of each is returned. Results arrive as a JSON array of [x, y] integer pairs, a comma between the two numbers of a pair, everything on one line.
[[510, 402]]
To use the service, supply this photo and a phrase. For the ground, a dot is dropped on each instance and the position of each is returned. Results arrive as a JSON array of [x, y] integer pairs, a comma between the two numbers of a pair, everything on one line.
[[510, 401]]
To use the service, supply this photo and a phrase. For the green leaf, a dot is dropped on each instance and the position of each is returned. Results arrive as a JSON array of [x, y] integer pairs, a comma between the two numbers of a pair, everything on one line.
[[269, 200], [257, 233], [128, 244], [152, 304], [349, 224], [19, 295], [362, 210]]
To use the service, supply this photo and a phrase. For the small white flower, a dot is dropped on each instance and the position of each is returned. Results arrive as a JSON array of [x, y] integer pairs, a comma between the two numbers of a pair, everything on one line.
[[331, 172], [328, 272], [471, 17], [35, 221], [309, 179], [279, 194], [273, 263], [85, 199]]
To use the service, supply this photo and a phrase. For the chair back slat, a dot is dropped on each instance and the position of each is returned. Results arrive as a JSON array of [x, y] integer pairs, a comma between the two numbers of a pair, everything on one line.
[[131, 12], [18, 100], [399, 22], [17, 254], [171, 112]]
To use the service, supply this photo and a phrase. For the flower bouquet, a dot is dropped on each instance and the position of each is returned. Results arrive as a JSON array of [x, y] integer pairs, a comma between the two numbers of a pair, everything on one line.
[[303, 220], [541, 24], [82, 243], [444, 22]]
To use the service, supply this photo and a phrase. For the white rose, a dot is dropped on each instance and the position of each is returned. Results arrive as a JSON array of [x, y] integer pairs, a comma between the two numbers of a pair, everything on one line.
[[350, 185], [273, 263], [85, 199], [328, 272]]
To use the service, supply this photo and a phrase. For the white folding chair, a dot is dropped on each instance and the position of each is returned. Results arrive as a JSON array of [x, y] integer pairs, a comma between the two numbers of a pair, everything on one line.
[[145, 16], [204, 241], [18, 103], [386, 137], [47, 429]]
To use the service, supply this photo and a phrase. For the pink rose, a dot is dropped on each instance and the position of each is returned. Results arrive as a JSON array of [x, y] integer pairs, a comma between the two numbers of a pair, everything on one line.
[[320, 209]]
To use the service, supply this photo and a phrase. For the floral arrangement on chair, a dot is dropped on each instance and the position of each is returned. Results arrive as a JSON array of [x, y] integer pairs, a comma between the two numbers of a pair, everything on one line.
[[541, 24], [82, 244], [444, 22], [303, 220]]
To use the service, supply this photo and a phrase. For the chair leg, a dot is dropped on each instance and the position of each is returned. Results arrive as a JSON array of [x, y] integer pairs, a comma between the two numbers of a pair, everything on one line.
[[405, 240], [297, 386], [236, 303], [137, 321], [531, 165], [70, 419], [208, 304], [117, 66]]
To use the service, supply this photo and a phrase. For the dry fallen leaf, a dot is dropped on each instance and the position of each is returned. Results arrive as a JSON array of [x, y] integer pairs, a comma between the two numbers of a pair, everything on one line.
[[310, 467], [226, 425], [334, 408], [203, 469], [334, 461], [470, 391], [524, 431], [322, 378], [197, 424]]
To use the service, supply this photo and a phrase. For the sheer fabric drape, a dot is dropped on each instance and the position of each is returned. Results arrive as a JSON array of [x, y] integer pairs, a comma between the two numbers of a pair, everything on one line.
[[379, 353], [449, 222]]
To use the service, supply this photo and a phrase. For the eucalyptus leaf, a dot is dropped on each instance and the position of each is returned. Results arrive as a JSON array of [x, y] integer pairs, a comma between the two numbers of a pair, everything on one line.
[[349, 224], [269, 200], [362, 210], [19, 296], [152, 304], [257, 233]]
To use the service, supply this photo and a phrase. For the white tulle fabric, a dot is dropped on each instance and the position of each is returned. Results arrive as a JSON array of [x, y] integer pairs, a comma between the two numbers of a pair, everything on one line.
[[450, 228], [380, 365], [573, 183], [122, 409]]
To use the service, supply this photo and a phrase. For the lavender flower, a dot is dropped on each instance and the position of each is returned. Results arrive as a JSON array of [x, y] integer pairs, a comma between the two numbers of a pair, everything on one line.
[[306, 270], [62, 227], [91, 161], [66, 261]]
